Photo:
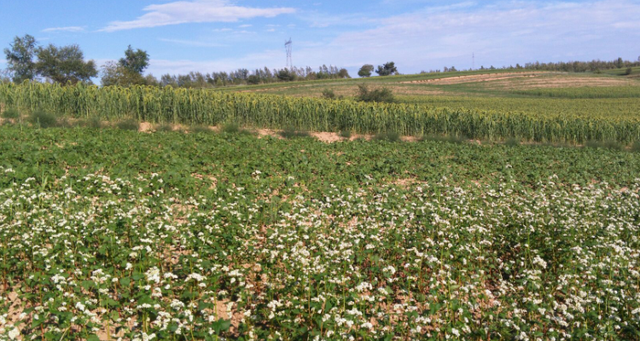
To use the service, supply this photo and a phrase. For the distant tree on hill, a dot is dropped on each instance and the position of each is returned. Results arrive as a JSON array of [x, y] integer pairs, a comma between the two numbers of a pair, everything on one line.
[[64, 65], [366, 70], [135, 61], [286, 75], [128, 70], [151, 80], [115, 74], [20, 58], [387, 69], [343, 73]]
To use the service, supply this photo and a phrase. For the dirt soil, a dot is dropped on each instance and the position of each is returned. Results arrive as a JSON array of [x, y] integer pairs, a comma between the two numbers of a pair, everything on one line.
[[477, 78], [561, 82], [530, 80]]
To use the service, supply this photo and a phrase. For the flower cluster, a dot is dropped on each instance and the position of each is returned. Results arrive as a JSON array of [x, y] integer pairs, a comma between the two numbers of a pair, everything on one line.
[[133, 259]]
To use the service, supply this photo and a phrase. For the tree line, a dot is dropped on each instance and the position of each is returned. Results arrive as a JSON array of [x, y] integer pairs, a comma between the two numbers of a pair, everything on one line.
[[574, 66], [27, 61], [66, 65], [245, 76]]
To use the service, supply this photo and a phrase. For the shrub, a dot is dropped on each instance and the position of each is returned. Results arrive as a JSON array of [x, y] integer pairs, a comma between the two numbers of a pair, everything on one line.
[[345, 134], [94, 122], [292, 133], [128, 124], [11, 113], [43, 119], [383, 95], [200, 129], [390, 136], [628, 71], [231, 128], [612, 145], [234, 128], [606, 144], [164, 127], [512, 142], [441, 138], [328, 94]]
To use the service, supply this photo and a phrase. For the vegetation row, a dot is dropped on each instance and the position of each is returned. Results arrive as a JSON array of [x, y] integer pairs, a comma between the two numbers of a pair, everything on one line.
[[191, 106]]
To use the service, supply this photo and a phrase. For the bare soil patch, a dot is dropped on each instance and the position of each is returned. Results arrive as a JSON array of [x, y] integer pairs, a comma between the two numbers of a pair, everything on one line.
[[145, 127], [560, 82], [477, 78]]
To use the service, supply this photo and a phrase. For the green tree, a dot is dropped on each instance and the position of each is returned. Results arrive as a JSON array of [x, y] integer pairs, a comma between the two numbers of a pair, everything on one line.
[[343, 73], [383, 95], [135, 61], [64, 65], [128, 70], [20, 58], [286, 75], [115, 74], [366, 70], [387, 69]]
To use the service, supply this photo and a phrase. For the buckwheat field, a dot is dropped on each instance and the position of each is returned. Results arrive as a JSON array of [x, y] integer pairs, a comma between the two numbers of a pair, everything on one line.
[[111, 234]]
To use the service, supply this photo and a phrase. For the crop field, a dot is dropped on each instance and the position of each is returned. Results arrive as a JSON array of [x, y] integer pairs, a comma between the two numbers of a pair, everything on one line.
[[538, 93], [110, 234], [466, 105], [514, 214]]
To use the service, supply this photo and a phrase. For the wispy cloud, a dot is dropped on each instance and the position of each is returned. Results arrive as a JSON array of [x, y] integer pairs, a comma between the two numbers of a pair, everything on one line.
[[500, 33], [196, 11], [269, 58], [192, 43], [64, 29], [318, 19]]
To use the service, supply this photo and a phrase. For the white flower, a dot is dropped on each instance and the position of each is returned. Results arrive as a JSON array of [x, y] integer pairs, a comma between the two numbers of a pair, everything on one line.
[[540, 261], [13, 334]]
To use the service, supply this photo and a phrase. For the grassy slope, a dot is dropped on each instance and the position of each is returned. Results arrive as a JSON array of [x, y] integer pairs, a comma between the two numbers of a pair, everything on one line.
[[609, 93]]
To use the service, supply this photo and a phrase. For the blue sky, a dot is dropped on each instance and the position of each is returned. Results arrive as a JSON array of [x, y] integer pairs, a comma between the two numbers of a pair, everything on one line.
[[223, 35]]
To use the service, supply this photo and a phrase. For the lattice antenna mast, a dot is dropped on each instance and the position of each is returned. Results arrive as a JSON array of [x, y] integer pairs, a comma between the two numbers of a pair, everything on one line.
[[473, 63], [288, 45]]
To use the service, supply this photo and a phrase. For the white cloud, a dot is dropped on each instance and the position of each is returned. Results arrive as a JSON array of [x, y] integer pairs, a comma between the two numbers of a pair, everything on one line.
[[499, 34], [196, 11], [64, 29], [270, 58]]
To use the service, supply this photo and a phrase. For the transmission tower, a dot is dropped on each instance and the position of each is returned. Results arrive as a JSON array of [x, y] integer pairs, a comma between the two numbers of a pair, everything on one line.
[[288, 45], [473, 63]]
